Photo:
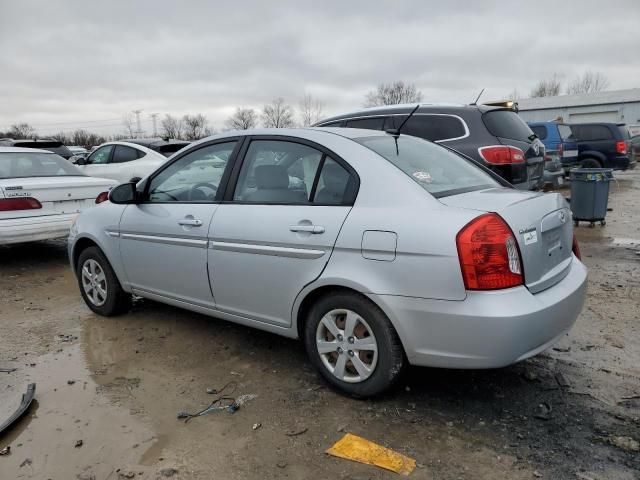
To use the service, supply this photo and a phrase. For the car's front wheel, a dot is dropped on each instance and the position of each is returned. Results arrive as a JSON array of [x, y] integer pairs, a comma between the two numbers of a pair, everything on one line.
[[99, 285], [353, 345]]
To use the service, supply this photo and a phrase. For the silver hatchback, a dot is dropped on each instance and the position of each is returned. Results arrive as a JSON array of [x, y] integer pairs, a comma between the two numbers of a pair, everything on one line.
[[377, 250]]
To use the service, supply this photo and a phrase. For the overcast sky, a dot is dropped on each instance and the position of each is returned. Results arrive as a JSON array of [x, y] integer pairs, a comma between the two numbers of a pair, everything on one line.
[[85, 64]]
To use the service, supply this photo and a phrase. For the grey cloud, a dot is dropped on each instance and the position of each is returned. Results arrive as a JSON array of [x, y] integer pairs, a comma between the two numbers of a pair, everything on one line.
[[83, 61]]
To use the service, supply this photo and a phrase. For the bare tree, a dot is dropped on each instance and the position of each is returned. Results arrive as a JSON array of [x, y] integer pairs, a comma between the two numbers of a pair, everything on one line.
[[22, 130], [589, 82], [171, 127], [243, 119], [277, 114], [393, 94], [195, 126], [310, 110], [547, 88], [129, 124]]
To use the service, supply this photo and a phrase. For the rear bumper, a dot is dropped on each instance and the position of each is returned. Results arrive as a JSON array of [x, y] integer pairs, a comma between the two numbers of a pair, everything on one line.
[[621, 162], [19, 230], [487, 329]]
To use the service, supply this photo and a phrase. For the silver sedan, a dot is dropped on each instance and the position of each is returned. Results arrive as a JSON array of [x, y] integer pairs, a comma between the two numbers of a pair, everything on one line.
[[378, 250]]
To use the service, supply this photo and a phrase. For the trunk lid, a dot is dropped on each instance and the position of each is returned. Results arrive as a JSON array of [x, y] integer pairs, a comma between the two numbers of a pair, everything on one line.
[[58, 195], [541, 223]]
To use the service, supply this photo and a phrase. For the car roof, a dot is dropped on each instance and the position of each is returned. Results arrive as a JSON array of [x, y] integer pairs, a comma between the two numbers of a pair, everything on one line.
[[155, 141], [408, 107], [24, 150], [132, 145]]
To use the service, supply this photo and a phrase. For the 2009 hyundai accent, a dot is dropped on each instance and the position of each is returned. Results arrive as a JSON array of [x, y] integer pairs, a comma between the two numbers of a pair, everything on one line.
[[378, 250]]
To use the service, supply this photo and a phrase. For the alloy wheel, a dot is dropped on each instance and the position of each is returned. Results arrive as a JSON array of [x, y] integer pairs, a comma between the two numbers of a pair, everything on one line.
[[94, 282]]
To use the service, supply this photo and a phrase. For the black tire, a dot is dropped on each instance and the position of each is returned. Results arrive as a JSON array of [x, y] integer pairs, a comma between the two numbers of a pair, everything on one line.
[[117, 301], [590, 163], [391, 360]]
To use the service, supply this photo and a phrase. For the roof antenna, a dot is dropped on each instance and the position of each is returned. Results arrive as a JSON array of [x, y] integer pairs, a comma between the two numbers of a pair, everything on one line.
[[478, 98], [396, 131]]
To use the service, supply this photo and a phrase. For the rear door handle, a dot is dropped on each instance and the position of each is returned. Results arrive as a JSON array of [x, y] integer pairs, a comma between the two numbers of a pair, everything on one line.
[[317, 229], [191, 222]]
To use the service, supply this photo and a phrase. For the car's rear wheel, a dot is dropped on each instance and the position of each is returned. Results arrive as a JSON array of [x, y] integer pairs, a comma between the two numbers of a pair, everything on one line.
[[590, 163], [99, 285], [353, 345]]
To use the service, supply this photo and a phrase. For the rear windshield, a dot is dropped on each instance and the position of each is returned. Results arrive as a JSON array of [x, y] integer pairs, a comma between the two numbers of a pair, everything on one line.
[[507, 124], [171, 148], [436, 169], [30, 164]]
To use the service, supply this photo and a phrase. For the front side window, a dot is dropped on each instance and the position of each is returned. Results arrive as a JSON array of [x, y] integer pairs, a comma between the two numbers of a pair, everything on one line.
[[194, 177], [100, 156], [277, 171], [29, 164], [124, 154], [436, 169]]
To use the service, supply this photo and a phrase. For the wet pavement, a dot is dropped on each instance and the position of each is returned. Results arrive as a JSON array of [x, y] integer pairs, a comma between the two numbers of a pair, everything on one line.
[[117, 384]]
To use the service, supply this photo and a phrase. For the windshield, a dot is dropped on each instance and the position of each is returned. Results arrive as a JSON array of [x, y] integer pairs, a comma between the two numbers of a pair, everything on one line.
[[507, 124], [32, 164], [436, 169]]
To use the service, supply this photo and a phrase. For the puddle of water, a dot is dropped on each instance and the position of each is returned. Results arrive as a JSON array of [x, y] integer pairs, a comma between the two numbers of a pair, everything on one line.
[[43, 441]]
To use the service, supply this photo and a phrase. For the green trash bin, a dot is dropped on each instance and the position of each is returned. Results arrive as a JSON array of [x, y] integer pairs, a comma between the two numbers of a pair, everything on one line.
[[590, 194]]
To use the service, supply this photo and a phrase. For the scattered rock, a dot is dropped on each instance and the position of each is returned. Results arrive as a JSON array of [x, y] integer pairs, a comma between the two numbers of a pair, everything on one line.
[[25, 462], [79, 443], [281, 464], [70, 382], [562, 349], [6, 450], [562, 381], [256, 426], [295, 433], [543, 411], [537, 474], [625, 443], [168, 472], [126, 475]]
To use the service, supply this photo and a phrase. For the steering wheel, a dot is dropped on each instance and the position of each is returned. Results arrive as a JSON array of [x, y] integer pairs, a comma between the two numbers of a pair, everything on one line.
[[195, 188]]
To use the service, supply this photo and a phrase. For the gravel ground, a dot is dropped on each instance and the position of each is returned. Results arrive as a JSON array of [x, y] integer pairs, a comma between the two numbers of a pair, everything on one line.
[[572, 412]]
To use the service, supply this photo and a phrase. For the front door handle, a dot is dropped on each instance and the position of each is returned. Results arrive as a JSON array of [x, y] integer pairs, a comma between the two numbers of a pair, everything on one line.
[[317, 229], [191, 222]]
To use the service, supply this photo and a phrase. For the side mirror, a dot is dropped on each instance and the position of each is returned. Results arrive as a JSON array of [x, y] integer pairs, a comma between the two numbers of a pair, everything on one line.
[[79, 160], [124, 194]]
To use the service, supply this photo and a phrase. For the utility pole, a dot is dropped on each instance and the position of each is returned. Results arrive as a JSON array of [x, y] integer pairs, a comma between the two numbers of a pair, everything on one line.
[[154, 117], [139, 129]]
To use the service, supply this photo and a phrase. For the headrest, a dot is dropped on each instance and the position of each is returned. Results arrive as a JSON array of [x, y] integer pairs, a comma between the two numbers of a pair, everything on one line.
[[271, 177]]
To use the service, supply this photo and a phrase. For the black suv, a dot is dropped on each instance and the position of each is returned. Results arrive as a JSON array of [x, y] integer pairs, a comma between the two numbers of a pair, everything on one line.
[[49, 144], [160, 145], [493, 136], [603, 145]]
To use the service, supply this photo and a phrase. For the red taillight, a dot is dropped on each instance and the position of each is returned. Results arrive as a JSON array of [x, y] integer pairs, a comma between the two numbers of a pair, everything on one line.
[[489, 255], [621, 147], [560, 150], [102, 197], [20, 203], [501, 155], [575, 248]]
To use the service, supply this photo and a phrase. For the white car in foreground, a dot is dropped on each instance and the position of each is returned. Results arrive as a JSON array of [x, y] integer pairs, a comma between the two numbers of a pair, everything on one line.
[[41, 193], [121, 161]]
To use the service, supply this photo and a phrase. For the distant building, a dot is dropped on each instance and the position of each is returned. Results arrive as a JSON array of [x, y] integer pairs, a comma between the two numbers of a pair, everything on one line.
[[618, 106]]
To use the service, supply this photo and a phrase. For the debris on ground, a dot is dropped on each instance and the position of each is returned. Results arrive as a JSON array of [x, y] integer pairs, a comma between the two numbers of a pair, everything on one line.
[[6, 450], [222, 402], [25, 462], [358, 449], [168, 472], [27, 398], [295, 433], [625, 443], [79, 443], [126, 475], [281, 464], [8, 370], [256, 426], [537, 474], [70, 382]]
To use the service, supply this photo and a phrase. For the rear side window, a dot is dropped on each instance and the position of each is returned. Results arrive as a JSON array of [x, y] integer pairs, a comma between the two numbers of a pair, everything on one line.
[[591, 132], [335, 186], [124, 154], [565, 133], [507, 124], [431, 127], [436, 169], [540, 131], [373, 123]]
